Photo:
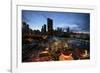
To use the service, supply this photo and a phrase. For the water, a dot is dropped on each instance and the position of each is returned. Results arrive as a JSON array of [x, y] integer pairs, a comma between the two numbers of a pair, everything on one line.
[[78, 43], [73, 43]]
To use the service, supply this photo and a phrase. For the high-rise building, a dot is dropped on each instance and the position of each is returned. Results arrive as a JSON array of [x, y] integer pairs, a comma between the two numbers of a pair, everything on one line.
[[43, 30], [50, 26]]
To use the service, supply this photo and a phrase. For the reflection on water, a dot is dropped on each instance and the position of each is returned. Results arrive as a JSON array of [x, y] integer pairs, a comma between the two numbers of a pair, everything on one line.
[[78, 43], [73, 43]]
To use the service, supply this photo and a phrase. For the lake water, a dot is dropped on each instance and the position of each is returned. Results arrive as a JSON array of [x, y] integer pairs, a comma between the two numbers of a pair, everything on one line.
[[74, 43]]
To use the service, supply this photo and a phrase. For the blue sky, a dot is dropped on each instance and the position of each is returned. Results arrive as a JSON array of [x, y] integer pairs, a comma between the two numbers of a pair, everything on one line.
[[76, 21]]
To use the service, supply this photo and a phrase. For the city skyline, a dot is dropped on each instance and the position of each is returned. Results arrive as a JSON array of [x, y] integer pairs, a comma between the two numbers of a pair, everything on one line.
[[78, 22]]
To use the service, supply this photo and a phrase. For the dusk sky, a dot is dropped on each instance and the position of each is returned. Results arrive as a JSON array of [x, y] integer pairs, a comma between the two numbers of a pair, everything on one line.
[[79, 22]]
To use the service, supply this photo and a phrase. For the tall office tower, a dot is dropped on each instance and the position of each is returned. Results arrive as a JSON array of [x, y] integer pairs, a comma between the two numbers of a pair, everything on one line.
[[43, 30], [50, 26]]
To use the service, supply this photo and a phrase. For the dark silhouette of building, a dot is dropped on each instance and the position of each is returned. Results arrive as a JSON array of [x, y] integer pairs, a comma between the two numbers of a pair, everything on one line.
[[50, 26], [43, 30], [25, 28], [68, 29]]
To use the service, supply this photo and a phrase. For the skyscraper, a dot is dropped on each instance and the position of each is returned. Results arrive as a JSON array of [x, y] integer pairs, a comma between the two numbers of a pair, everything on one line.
[[43, 30], [50, 26]]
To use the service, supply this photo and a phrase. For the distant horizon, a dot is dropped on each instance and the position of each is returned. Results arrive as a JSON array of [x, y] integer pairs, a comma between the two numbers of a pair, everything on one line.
[[77, 22]]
